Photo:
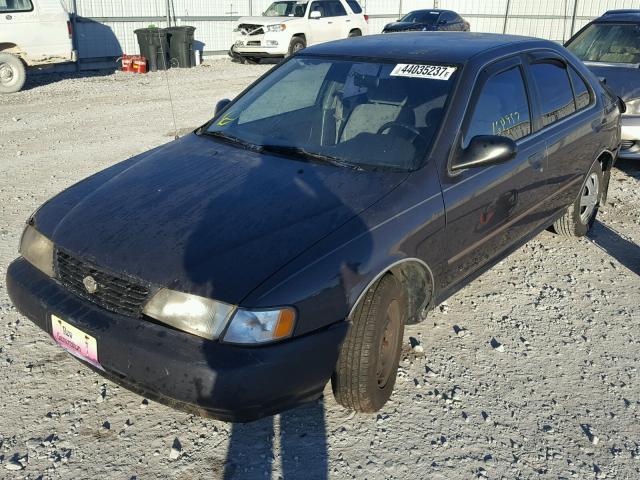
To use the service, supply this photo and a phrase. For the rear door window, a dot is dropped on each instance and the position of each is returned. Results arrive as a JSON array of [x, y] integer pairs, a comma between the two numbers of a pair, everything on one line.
[[554, 91], [335, 9], [355, 6], [580, 90], [12, 6], [502, 108]]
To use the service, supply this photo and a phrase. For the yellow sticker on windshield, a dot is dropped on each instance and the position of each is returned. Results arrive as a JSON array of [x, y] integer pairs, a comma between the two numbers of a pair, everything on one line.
[[226, 120], [436, 72]]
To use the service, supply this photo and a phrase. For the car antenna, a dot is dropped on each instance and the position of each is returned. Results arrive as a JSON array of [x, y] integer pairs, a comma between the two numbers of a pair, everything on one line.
[[166, 77]]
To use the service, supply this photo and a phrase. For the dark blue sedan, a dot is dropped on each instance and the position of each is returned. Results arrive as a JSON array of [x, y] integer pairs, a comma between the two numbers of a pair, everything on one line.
[[286, 243], [429, 21]]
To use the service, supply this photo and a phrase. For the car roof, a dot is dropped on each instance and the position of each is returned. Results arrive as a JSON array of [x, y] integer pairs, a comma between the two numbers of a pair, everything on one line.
[[613, 16], [437, 47]]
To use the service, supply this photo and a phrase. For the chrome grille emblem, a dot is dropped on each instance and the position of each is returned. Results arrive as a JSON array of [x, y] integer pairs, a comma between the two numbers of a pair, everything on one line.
[[90, 284]]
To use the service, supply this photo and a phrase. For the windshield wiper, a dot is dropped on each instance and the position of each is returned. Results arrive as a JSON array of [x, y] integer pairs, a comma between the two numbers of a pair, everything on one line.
[[300, 152], [232, 139]]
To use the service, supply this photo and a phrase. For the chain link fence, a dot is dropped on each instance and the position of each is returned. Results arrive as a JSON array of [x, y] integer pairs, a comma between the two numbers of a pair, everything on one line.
[[104, 28]]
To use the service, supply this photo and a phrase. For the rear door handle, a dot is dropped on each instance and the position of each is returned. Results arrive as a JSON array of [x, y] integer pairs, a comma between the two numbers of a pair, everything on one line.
[[537, 161], [348, 20]]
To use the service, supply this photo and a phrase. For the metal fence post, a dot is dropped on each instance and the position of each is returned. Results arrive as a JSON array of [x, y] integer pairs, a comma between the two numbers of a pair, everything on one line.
[[74, 34], [399, 8], [506, 17], [168, 13], [573, 18]]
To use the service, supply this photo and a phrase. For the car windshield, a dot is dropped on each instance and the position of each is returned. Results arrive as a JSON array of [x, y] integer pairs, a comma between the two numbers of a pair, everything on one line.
[[608, 43], [286, 9], [349, 113], [421, 16]]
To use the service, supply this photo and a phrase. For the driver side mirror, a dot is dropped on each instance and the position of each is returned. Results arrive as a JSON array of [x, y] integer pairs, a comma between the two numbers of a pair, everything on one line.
[[315, 15], [220, 105], [486, 150]]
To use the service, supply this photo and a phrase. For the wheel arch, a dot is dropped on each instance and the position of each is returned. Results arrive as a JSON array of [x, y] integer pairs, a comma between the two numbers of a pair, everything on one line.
[[301, 35], [8, 47], [416, 277]]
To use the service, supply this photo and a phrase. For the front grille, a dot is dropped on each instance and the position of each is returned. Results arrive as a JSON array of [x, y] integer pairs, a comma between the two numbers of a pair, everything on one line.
[[115, 293], [626, 144], [253, 44], [251, 29]]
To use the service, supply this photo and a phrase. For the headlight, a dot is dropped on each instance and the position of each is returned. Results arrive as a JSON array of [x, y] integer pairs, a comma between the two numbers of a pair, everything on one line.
[[252, 327], [276, 28], [633, 107], [190, 313], [37, 250]]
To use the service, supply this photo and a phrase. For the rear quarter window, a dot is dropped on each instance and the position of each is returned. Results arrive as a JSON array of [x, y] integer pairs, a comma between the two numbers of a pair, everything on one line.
[[12, 6], [354, 6], [555, 93], [580, 90]]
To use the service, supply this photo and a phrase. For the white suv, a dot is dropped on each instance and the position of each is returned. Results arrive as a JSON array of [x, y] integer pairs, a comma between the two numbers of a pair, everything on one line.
[[290, 25], [32, 32]]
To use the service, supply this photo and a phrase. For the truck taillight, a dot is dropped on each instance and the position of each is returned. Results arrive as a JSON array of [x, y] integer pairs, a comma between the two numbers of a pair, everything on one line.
[[366, 18], [70, 28]]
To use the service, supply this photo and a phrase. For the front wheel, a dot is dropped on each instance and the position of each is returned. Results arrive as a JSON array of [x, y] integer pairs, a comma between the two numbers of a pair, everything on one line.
[[368, 362], [295, 46], [12, 73], [581, 214]]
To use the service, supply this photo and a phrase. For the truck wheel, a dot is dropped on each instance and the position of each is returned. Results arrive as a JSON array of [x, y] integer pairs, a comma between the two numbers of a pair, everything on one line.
[[296, 44], [12, 73], [579, 217], [368, 362]]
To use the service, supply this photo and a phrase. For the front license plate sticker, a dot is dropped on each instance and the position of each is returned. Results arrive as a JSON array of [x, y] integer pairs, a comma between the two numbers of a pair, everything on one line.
[[436, 72], [75, 341]]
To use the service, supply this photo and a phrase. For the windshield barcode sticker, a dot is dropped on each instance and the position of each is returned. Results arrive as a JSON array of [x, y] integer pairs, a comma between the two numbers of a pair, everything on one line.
[[423, 71]]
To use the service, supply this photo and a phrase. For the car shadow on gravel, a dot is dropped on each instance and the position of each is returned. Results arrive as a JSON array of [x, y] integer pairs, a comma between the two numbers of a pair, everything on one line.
[[36, 79], [302, 446], [624, 251]]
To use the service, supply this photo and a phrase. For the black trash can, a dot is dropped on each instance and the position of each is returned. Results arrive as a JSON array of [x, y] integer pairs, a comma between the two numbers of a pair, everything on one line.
[[181, 53], [154, 46]]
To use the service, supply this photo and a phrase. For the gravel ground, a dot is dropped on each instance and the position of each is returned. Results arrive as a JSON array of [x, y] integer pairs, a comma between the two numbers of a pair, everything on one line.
[[530, 372]]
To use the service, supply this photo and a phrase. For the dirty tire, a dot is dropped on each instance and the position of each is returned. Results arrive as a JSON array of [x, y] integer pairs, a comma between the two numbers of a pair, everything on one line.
[[368, 362], [581, 214], [355, 33], [295, 45], [13, 73]]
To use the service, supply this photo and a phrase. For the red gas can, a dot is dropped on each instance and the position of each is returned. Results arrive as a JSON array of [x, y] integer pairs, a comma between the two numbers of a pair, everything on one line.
[[127, 63], [139, 64]]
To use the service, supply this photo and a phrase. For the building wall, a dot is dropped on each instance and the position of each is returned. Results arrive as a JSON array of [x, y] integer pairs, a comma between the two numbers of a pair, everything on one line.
[[105, 28]]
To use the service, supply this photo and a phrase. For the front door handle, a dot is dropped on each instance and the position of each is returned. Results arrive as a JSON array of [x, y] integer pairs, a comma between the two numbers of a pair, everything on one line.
[[330, 23], [537, 161]]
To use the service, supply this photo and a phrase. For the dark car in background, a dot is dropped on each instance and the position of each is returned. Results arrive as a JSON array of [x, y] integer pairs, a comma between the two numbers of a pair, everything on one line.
[[610, 47], [429, 21], [287, 242]]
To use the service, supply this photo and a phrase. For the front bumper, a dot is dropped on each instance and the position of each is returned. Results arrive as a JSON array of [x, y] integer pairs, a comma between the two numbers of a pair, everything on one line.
[[183, 371], [630, 135], [261, 46]]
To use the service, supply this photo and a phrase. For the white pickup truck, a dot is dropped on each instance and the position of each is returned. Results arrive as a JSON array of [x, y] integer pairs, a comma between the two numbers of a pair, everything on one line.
[[32, 32], [290, 25]]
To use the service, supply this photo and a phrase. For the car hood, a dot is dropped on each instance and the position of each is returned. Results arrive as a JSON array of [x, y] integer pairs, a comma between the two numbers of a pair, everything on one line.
[[624, 81], [204, 217], [403, 26], [263, 20]]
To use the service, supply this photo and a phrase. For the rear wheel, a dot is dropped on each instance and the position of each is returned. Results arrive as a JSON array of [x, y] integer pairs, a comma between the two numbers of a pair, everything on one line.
[[368, 362], [581, 214], [355, 33], [296, 44], [12, 73]]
